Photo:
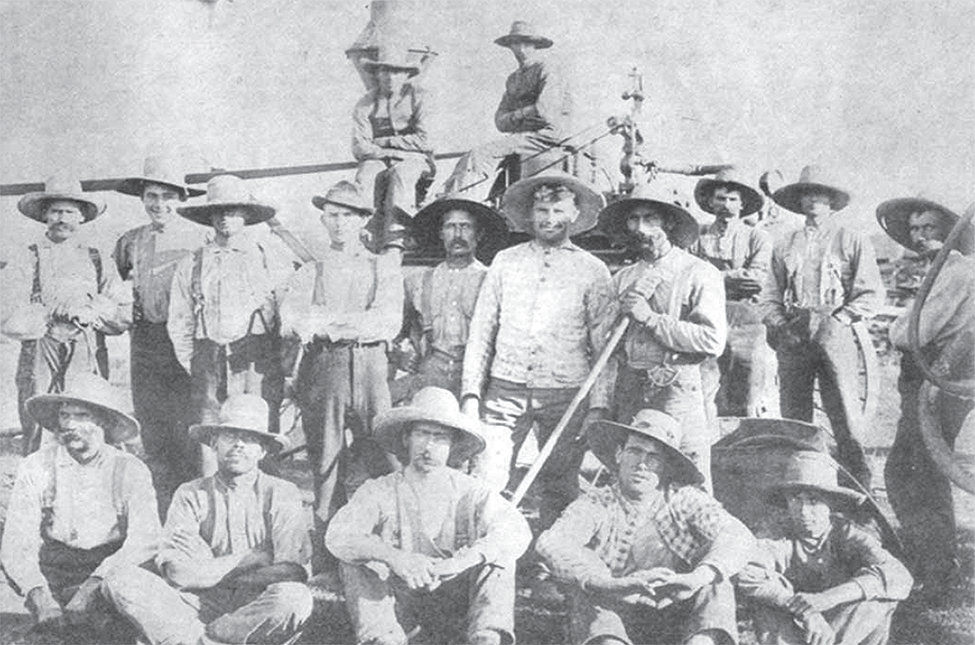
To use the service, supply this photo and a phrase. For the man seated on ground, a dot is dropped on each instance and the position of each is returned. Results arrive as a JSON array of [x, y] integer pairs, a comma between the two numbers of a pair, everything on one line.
[[429, 543], [649, 558], [235, 550], [829, 580], [79, 508]]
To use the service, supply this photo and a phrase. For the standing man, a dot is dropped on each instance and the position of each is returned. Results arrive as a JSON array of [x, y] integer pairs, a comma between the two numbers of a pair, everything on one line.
[[148, 255], [919, 493], [739, 381], [429, 544], [440, 300], [677, 305], [61, 300], [80, 508], [346, 308], [223, 316], [545, 311], [824, 279], [233, 560], [534, 113]]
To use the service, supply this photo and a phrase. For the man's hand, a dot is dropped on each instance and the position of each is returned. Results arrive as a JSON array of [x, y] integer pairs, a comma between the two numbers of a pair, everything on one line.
[[678, 587], [254, 559], [637, 305], [44, 609], [461, 562], [76, 612], [817, 630], [472, 407], [803, 604], [416, 570]]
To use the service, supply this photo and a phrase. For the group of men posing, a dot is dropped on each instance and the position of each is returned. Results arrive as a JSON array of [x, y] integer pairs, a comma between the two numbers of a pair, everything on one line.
[[408, 504]]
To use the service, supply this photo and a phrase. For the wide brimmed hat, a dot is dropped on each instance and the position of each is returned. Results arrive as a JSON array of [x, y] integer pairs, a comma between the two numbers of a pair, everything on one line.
[[159, 169], [612, 220], [519, 198], [751, 200], [812, 470], [93, 392], [246, 412], [429, 405], [523, 32], [812, 178], [392, 60], [345, 194], [225, 192], [893, 216], [606, 437], [491, 227], [60, 187]]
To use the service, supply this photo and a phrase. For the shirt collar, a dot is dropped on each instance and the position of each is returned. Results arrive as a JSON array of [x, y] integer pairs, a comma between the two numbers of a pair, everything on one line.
[[566, 245], [65, 460], [240, 483], [47, 243]]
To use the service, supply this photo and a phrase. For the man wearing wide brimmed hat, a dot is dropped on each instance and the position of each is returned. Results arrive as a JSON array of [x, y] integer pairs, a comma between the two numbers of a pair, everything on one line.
[[440, 300], [429, 546], [650, 557], [61, 298], [223, 306], [534, 113], [390, 141], [147, 255], [829, 580], [233, 560], [544, 313], [824, 279], [919, 493], [80, 508], [677, 304], [345, 308]]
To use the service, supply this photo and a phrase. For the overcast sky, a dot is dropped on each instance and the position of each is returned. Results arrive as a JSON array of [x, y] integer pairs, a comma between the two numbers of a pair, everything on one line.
[[881, 91]]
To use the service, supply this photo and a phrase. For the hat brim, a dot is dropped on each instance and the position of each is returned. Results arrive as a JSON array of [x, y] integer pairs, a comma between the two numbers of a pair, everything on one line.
[[135, 186], [389, 426], [319, 201], [540, 42], [46, 408], [203, 432], [752, 200], [492, 232], [605, 437], [612, 221], [518, 199], [412, 70], [845, 498], [893, 216], [33, 205], [789, 197], [256, 212]]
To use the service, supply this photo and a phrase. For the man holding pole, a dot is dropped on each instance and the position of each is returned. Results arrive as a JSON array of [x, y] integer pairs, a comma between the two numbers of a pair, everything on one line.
[[545, 311]]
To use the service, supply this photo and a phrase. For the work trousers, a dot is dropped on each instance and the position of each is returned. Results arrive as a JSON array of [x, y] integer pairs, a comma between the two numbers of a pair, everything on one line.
[[747, 367], [168, 616], [476, 602], [858, 623], [160, 391], [509, 411], [436, 370], [393, 185]]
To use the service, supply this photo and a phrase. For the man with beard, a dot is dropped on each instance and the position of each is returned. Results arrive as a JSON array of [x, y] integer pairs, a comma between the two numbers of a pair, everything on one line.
[[148, 255], [429, 545], [544, 314], [919, 493], [440, 300], [650, 558], [677, 305], [61, 300], [80, 508]]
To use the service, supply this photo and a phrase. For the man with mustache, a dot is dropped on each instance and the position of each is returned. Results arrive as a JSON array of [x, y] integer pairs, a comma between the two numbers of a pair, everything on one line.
[[440, 300], [677, 305], [544, 313], [61, 299], [918, 492], [80, 508], [651, 557], [233, 560], [429, 546]]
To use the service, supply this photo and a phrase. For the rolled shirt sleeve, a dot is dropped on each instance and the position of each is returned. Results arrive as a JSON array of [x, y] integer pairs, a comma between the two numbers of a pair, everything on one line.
[[566, 545]]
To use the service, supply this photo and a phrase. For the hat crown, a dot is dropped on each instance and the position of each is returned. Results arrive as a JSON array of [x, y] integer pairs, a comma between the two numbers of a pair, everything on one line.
[[816, 174], [224, 189], [94, 389], [246, 412], [346, 193], [63, 183], [435, 400], [730, 175], [522, 28], [661, 425], [811, 468], [163, 168], [655, 193]]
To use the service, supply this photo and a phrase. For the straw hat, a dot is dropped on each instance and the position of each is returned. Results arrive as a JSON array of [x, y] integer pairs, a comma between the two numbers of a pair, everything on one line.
[[606, 437], [612, 220], [491, 227], [247, 412], [812, 470], [523, 32], [893, 216], [225, 192], [60, 187], [93, 392], [345, 194], [519, 198], [730, 178], [430, 405], [811, 178], [158, 169]]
